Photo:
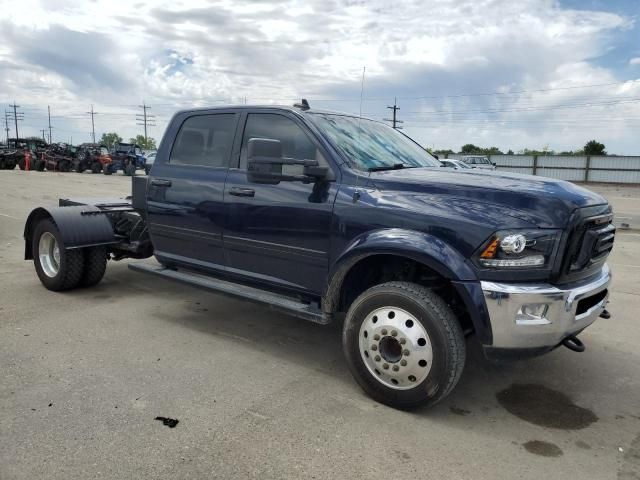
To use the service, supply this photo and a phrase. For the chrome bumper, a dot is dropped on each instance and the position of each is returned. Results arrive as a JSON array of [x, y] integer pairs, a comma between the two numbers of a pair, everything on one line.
[[561, 319]]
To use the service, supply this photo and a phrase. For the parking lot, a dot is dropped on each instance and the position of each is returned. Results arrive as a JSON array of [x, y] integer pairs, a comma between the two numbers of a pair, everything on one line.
[[261, 395]]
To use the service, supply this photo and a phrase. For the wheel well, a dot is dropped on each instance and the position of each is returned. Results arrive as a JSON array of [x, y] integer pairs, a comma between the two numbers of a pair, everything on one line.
[[34, 218], [376, 269]]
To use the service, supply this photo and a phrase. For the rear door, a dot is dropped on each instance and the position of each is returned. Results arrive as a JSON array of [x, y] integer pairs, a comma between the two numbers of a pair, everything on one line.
[[280, 234], [186, 189]]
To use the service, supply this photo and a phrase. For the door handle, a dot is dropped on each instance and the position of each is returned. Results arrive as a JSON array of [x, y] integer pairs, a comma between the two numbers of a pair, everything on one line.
[[159, 182], [242, 192]]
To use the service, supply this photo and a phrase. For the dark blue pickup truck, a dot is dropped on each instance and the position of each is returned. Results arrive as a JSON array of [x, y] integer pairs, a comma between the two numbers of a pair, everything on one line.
[[328, 217]]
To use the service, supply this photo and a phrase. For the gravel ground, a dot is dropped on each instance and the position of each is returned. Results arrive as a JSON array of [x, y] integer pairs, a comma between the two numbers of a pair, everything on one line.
[[257, 394]]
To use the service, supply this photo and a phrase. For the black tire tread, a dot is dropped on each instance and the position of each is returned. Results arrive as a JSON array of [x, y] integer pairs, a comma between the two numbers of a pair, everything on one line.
[[95, 264]]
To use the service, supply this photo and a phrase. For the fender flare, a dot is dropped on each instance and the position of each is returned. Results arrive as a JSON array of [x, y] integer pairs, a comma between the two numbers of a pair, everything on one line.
[[423, 248], [80, 226]]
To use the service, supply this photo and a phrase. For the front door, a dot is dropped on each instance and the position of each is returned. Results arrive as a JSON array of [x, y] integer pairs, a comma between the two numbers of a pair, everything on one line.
[[279, 235], [186, 191]]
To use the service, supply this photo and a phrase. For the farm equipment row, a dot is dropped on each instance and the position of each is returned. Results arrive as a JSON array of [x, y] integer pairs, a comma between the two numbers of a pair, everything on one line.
[[33, 154]]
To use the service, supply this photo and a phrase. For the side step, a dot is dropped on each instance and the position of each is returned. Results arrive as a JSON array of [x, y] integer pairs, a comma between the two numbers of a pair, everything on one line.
[[277, 302]]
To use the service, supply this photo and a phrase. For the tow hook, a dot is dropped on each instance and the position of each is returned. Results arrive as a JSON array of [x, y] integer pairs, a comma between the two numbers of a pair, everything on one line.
[[605, 314], [574, 344]]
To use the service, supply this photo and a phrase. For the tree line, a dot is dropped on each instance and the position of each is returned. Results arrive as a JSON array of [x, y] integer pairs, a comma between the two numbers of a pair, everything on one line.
[[592, 147], [111, 138]]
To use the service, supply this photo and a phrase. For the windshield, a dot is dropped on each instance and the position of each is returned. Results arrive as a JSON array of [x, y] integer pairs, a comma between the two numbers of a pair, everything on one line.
[[373, 145]]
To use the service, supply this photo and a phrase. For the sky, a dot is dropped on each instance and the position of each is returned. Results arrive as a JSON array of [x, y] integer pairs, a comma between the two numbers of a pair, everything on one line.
[[513, 74]]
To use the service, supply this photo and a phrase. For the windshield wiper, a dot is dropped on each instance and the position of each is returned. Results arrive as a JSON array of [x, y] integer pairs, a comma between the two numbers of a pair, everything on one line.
[[395, 166]]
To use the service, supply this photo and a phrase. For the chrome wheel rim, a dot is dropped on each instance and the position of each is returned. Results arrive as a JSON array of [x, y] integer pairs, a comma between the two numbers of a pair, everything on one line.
[[49, 254], [395, 348]]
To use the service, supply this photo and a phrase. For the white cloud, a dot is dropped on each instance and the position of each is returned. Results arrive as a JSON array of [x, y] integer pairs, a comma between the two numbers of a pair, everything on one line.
[[634, 61], [172, 55]]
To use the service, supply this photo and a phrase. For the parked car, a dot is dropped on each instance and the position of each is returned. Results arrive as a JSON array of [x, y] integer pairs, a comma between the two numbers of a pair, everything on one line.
[[150, 158], [479, 161], [91, 156], [328, 216], [455, 164], [126, 157]]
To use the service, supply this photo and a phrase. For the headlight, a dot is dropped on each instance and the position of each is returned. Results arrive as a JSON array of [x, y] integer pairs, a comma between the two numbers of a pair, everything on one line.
[[519, 249]]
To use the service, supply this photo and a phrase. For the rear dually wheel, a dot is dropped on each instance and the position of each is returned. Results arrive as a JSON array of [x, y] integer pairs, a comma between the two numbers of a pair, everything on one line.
[[57, 268]]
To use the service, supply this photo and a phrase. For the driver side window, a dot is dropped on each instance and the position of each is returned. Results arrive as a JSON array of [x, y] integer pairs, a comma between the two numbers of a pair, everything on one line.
[[295, 142]]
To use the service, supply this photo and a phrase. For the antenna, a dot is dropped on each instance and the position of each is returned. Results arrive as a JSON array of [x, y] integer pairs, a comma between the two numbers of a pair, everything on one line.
[[356, 192], [304, 105]]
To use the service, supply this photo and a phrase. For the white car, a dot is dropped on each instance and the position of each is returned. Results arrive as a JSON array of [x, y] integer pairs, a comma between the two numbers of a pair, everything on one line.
[[150, 158], [479, 161], [455, 164]]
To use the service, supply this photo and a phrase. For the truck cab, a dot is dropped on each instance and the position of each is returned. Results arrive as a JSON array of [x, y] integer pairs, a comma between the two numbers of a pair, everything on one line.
[[330, 216]]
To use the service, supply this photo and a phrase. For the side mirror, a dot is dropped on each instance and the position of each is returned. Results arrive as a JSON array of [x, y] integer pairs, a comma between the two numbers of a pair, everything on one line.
[[265, 161]]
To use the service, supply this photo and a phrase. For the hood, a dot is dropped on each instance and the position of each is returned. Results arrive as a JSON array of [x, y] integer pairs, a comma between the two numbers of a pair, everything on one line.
[[542, 201]]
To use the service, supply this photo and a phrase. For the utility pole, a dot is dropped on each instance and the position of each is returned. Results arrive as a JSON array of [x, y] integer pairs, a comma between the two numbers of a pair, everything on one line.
[[43, 131], [49, 113], [145, 119], [394, 121], [17, 116], [93, 126], [6, 125]]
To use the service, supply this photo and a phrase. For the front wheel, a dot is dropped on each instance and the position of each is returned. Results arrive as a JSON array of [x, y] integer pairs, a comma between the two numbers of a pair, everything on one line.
[[130, 170], [404, 345], [57, 268], [96, 167], [107, 170]]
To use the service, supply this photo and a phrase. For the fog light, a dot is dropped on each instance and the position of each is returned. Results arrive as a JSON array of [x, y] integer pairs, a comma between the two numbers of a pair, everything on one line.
[[533, 314]]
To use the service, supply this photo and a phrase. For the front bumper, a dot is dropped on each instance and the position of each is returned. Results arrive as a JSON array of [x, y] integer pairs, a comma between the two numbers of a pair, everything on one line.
[[571, 308]]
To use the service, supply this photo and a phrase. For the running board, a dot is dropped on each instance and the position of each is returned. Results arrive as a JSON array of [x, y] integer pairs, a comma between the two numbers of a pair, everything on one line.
[[277, 302]]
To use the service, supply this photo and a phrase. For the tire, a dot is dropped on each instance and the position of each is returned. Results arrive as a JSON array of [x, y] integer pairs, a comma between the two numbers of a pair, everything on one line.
[[63, 166], [147, 169], [39, 165], [96, 167], [130, 170], [434, 342], [107, 170], [95, 264], [70, 265], [81, 167], [22, 164]]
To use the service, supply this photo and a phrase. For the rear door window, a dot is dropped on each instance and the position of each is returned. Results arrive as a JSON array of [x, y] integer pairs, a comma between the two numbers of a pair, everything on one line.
[[205, 140]]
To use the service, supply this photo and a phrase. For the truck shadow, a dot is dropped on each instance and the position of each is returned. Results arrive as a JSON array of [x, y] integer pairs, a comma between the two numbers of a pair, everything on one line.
[[319, 347]]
